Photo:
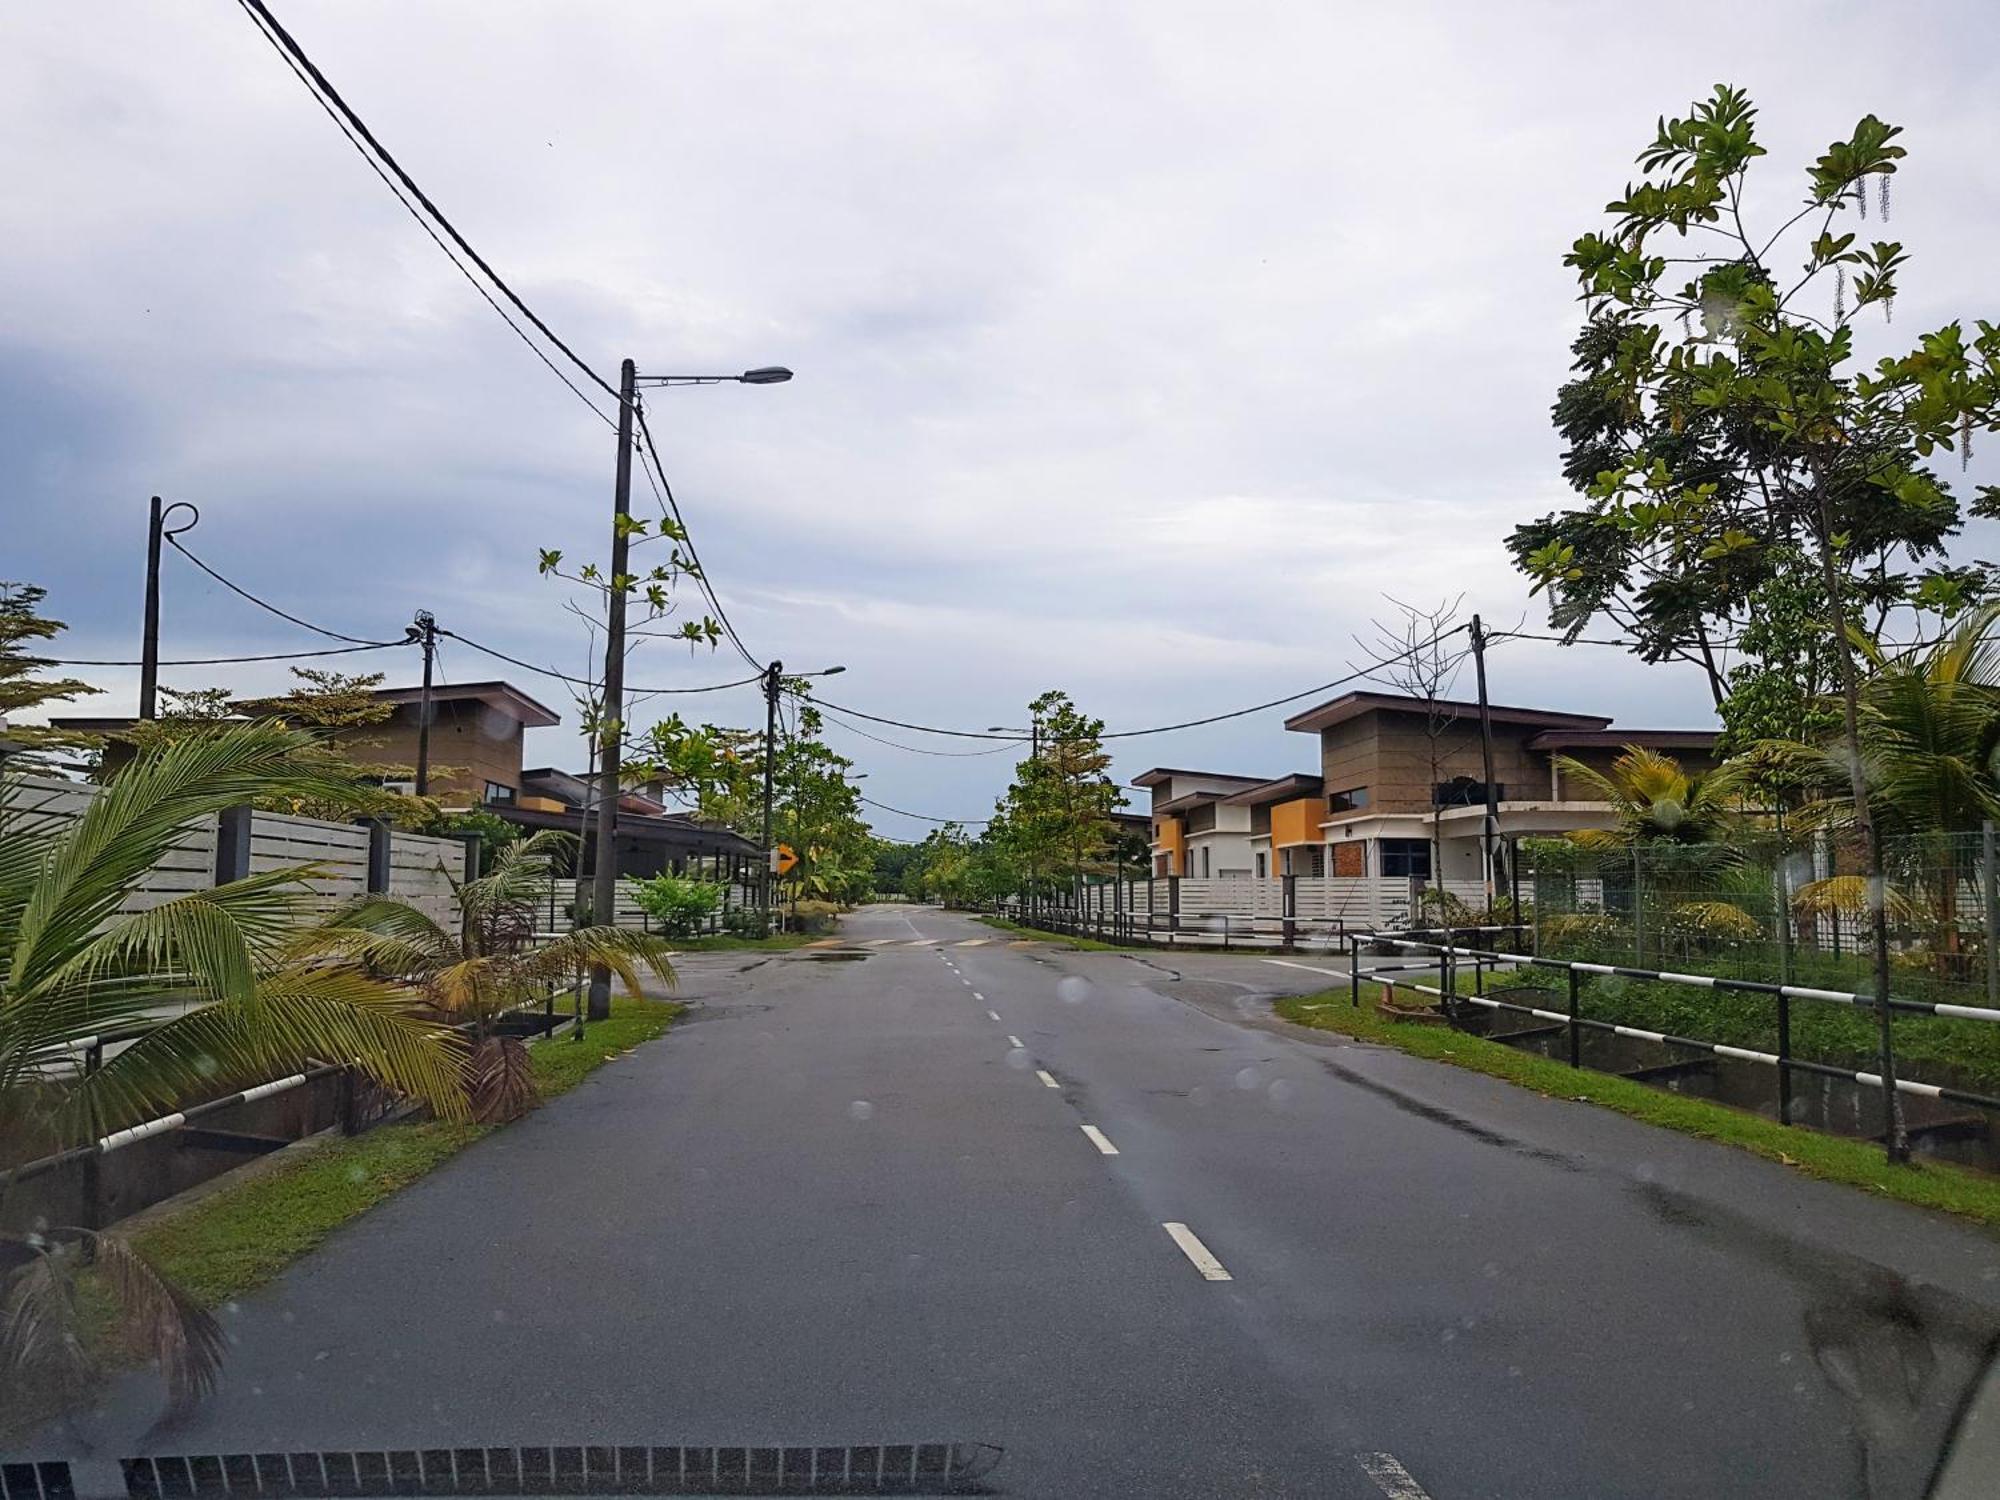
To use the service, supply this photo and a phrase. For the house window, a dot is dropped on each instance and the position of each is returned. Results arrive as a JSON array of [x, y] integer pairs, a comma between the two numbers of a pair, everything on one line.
[[1464, 791], [1406, 857], [1204, 861], [1352, 800], [1316, 860], [1263, 866], [495, 792]]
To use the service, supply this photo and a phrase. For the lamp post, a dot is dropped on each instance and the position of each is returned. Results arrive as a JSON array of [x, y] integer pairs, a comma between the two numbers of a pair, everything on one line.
[[611, 727]]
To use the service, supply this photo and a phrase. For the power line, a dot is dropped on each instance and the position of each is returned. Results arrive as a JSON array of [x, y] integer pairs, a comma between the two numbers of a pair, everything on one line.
[[265, 604], [897, 745], [920, 817], [217, 661], [528, 666], [1128, 734], [352, 124], [648, 449]]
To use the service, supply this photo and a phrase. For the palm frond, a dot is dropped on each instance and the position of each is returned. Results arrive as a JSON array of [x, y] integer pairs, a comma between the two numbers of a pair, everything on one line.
[[166, 1324], [620, 949], [130, 824], [41, 1335], [300, 1017], [502, 1076]]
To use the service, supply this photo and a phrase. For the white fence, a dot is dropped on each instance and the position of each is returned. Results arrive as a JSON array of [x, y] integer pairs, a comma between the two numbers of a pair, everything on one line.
[[421, 869], [1356, 903]]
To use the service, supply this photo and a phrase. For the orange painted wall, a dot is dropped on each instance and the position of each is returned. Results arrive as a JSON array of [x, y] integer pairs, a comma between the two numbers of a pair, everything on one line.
[[1297, 822], [1169, 837]]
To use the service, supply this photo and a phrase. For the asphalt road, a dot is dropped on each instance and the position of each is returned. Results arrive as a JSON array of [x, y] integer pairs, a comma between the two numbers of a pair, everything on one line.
[[964, 1189]]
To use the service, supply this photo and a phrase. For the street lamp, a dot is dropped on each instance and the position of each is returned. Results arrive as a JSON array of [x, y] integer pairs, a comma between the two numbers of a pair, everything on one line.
[[604, 883]]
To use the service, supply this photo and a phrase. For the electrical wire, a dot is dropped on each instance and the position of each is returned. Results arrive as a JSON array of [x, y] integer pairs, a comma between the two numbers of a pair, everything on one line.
[[649, 450], [329, 99], [1129, 734], [265, 604], [218, 661], [528, 666], [920, 817], [897, 745]]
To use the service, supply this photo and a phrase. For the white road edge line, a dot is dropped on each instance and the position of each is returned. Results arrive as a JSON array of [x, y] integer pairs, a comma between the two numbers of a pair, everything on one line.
[[1012, 1040], [1210, 1268], [979, 997], [1391, 1477], [1313, 968], [1046, 1079], [991, 1015], [1099, 1139]]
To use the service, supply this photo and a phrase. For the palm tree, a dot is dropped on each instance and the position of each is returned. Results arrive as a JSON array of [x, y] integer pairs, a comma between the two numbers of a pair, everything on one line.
[[1654, 798], [490, 965], [76, 964], [1929, 725]]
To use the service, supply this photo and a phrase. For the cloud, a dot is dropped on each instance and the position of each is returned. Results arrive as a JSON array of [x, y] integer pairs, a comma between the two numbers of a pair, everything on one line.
[[1141, 348]]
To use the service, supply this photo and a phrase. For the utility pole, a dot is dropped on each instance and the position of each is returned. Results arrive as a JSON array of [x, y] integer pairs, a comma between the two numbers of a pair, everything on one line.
[[1492, 828], [149, 640], [773, 674], [427, 634], [611, 727]]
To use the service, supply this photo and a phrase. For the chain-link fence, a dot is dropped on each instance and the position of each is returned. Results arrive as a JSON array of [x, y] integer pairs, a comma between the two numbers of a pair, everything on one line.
[[1797, 912]]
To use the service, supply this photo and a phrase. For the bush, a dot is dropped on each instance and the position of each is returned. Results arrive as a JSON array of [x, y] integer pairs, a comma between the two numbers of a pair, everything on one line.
[[745, 922], [814, 916], [680, 905]]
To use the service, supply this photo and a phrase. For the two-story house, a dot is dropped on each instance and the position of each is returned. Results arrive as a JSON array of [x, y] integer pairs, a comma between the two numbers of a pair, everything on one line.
[[1404, 786], [1198, 831]]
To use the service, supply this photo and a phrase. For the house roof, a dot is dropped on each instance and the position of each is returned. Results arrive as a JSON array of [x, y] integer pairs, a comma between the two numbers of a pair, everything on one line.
[[1159, 774], [1354, 705], [1279, 789], [1618, 739], [501, 695]]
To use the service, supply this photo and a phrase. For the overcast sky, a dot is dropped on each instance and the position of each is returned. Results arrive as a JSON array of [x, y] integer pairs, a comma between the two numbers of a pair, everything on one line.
[[1141, 348]]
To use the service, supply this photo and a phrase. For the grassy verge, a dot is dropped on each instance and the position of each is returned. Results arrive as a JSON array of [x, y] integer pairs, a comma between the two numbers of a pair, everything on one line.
[[1938, 1185], [239, 1237]]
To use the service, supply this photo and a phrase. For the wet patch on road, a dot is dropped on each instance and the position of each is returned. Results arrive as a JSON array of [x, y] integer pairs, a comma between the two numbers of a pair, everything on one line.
[[1440, 1116]]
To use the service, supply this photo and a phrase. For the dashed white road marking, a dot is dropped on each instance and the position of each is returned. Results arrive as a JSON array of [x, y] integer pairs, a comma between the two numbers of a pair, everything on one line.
[[1013, 1041], [1210, 1268], [974, 943], [1042, 1074], [1099, 1139], [1390, 1477], [964, 981], [881, 942], [991, 1015], [921, 943], [977, 996]]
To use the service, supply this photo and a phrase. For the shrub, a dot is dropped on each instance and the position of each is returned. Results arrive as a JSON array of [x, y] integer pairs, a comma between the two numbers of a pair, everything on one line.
[[745, 922], [814, 916], [680, 905]]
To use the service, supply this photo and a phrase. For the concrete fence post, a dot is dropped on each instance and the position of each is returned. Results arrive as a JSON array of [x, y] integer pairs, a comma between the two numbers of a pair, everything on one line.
[[379, 838], [232, 844]]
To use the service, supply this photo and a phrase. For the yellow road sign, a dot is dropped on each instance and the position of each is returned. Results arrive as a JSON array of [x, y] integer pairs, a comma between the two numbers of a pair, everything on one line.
[[782, 860]]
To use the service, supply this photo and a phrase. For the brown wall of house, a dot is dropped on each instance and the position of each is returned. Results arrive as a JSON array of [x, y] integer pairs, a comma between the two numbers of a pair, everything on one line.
[[1600, 757], [478, 743], [1391, 755]]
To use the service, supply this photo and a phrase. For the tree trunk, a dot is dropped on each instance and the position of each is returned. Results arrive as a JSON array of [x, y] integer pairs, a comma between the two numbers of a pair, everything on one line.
[[1877, 891]]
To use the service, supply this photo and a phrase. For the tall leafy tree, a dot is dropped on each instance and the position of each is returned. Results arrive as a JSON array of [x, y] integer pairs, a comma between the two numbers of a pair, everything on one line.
[[1056, 815], [22, 684], [1723, 435]]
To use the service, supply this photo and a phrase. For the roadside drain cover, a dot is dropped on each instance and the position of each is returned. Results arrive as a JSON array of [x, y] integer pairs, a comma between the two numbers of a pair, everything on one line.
[[835, 955]]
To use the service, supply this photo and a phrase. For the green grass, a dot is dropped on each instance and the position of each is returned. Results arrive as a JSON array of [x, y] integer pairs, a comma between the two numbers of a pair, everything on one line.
[[238, 1237], [1937, 1185]]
